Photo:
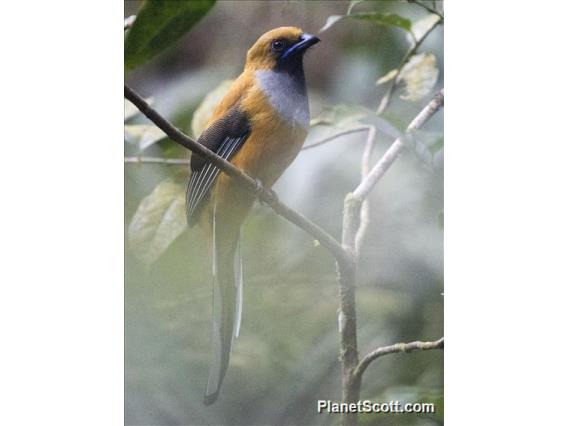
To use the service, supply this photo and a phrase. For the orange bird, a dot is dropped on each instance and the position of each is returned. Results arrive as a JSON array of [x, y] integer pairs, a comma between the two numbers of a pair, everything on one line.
[[259, 126]]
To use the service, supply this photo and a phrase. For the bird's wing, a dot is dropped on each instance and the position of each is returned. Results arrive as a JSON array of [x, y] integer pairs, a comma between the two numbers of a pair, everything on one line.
[[225, 137]]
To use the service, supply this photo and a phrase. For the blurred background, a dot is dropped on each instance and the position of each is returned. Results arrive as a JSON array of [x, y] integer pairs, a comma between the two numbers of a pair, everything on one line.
[[286, 357]]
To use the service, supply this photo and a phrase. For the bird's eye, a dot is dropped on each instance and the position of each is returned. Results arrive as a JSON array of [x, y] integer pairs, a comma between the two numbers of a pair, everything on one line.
[[277, 45]]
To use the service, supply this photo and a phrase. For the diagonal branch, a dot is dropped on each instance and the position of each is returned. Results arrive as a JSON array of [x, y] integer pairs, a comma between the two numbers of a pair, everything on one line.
[[354, 200], [367, 185], [265, 195], [393, 349]]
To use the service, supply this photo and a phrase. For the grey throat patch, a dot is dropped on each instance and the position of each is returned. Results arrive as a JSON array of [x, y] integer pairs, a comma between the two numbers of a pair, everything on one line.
[[286, 95]]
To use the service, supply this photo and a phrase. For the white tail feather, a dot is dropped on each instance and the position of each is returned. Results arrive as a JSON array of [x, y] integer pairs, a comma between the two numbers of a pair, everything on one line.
[[238, 268]]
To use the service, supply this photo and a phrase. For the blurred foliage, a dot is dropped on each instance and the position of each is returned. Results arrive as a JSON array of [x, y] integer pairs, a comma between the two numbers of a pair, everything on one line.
[[341, 115], [419, 75], [384, 19], [420, 71], [142, 135], [158, 25], [286, 357], [158, 221], [130, 110], [388, 19], [340, 118]]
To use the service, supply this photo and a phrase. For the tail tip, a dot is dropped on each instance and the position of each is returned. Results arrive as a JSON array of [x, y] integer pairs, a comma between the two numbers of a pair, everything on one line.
[[209, 399]]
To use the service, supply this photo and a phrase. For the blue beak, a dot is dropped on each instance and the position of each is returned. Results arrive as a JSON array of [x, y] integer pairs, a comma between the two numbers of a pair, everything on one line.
[[306, 40]]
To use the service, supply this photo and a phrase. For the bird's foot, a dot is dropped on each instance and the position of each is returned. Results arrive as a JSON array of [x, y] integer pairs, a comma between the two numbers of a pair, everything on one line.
[[266, 196]]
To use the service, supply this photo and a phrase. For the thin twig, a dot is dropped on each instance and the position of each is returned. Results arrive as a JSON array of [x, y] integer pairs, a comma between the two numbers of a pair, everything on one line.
[[366, 186], [365, 207], [157, 160], [428, 8], [388, 96], [335, 136], [266, 196], [365, 166], [393, 349]]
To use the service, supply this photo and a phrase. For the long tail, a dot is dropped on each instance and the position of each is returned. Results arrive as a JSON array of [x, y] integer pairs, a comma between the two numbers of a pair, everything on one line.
[[227, 302]]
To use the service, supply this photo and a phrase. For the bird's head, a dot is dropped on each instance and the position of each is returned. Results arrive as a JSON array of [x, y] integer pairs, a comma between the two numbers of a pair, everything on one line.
[[281, 48]]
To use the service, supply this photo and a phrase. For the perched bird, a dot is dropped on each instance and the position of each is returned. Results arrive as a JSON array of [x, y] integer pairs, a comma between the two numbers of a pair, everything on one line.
[[259, 126]]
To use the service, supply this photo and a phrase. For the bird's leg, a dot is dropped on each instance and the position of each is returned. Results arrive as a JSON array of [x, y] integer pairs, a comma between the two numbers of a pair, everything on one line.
[[266, 196]]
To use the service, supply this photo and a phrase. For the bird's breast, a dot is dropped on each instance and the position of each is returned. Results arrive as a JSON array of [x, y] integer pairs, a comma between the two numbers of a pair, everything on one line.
[[287, 96]]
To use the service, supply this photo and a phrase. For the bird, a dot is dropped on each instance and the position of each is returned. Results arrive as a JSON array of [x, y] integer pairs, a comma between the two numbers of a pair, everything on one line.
[[259, 126]]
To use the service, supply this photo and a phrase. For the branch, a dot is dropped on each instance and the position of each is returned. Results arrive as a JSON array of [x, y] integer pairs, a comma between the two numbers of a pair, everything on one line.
[[428, 8], [266, 196], [157, 160], [393, 349], [387, 97], [355, 221], [366, 186], [365, 207], [335, 136], [354, 225]]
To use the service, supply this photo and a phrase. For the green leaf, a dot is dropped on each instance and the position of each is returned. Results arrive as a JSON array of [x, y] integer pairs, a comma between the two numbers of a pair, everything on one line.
[[420, 75], [422, 26], [331, 20], [352, 4], [143, 135], [158, 221], [205, 109], [159, 24], [387, 19]]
